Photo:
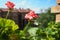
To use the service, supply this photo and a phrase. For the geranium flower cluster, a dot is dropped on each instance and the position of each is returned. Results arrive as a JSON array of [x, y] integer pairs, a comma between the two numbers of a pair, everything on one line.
[[10, 5], [31, 15]]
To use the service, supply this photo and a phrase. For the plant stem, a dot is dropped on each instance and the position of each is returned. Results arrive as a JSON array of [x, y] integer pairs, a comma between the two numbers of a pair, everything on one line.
[[7, 14], [26, 27]]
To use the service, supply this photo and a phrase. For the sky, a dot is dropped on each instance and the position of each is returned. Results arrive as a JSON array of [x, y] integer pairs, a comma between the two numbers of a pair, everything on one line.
[[35, 5]]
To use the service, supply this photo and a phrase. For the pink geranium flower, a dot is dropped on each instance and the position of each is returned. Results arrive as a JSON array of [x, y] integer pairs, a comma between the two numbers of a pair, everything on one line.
[[10, 5], [31, 15], [27, 16]]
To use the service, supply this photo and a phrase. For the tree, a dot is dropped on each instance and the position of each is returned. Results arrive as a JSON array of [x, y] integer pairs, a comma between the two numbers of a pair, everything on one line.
[[44, 18]]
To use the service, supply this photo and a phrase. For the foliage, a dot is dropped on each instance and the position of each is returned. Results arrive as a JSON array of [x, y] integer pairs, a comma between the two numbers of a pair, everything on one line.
[[9, 31], [45, 18], [7, 27], [52, 32]]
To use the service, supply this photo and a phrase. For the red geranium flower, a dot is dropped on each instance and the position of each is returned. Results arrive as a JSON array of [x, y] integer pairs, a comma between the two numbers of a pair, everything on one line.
[[31, 15], [10, 5], [27, 16]]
